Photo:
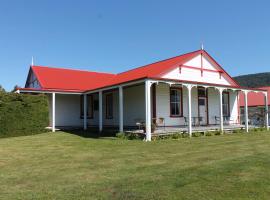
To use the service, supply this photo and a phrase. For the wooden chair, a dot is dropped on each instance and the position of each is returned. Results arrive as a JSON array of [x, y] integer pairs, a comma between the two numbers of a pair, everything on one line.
[[160, 121]]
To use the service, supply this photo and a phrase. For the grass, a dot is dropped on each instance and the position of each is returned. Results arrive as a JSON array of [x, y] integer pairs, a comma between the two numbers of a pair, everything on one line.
[[65, 166]]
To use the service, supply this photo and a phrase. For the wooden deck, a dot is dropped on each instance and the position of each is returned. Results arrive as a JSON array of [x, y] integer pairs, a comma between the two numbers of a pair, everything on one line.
[[201, 129], [162, 130]]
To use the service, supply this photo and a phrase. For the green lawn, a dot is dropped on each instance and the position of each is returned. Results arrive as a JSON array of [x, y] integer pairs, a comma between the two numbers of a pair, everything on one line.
[[64, 166]]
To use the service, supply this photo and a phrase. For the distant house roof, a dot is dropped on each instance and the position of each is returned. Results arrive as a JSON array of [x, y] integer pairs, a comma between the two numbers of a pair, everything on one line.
[[59, 79], [255, 99]]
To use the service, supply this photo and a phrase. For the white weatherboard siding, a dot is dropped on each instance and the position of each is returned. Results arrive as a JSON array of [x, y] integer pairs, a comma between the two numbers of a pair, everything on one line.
[[234, 109], [67, 110], [115, 120], [213, 102], [213, 105], [133, 107], [163, 105], [194, 75]]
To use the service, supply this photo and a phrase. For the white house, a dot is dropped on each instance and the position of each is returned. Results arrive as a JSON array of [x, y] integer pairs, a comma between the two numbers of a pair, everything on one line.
[[187, 90]]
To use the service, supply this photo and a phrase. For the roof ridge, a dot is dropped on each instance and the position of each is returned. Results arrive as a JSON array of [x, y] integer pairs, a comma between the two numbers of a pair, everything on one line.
[[158, 61], [80, 70]]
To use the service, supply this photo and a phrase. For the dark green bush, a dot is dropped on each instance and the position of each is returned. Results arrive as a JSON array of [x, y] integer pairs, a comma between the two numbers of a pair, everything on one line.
[[22, 114], [185, 135], [176, 136], [209, 133], [120, 135], [196, 134], [130, 136]]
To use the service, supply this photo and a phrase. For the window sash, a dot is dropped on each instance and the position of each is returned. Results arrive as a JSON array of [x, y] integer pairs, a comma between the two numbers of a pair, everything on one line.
[[90, 106], [226, 104], [176, 102], [109, 106]]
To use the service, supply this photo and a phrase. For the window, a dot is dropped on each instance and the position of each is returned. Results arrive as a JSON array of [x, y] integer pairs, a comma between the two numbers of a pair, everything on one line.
[[226, 104], [176, 102], [90, 106], [201, 92], [201, 102], [109, 106]]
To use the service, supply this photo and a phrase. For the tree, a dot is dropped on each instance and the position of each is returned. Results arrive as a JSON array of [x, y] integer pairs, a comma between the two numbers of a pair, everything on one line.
[[2, 89], [15, 88]]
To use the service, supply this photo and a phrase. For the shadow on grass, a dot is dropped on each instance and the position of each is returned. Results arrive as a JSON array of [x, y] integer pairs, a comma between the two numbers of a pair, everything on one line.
[[93, 133]]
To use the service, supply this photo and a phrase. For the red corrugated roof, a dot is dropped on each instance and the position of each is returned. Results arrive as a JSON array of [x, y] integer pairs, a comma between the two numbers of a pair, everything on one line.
[[77, 80], [255, 99], [70, 80]]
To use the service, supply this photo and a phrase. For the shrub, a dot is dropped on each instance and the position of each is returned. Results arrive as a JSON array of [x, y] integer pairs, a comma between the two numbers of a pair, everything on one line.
[[196, 134], [176, 136], [217, 132], [22, 114], [120, 135], [129, 136], [238, 131], [209, 133], [185, 135]]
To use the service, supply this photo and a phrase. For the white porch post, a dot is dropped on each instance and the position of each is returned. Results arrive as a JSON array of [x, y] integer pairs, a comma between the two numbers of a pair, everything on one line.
[[189, 87], [121, 124], [100, 111], [85, 111], [221, 109], [266, 110], [148, 110], [246, 110], [53, 112]]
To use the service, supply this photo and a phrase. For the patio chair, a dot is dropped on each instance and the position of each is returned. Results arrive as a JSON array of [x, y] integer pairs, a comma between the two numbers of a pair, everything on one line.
[[186, 121], [160, 122]]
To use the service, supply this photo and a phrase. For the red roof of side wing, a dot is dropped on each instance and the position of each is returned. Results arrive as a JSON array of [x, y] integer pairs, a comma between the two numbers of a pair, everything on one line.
[[255, 99], [67, 79]]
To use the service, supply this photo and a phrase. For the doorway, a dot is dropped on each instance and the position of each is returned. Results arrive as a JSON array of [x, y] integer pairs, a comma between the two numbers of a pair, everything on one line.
[[202, 106]]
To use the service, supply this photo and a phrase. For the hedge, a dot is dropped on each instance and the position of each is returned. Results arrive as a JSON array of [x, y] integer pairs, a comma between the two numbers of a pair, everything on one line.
[[22, 114]]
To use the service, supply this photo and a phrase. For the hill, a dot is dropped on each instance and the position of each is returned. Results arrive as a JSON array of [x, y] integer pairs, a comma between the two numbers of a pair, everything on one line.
[[254, 80]]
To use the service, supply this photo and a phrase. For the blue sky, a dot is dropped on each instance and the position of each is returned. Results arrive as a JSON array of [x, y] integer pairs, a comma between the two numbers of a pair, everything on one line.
[[117, 35]]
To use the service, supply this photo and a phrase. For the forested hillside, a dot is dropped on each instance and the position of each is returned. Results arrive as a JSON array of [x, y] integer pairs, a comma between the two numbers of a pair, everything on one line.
[[254, 80]]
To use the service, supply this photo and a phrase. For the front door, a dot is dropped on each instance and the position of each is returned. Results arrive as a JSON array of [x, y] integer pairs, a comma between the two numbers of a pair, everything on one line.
[[202, 106]]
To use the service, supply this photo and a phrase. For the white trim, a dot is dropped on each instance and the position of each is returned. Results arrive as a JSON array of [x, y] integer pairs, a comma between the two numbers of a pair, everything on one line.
[[121, 123], [246, 109], [221, 109], [189, 88], [85, 112], [115, 87], [47, 92], [266, 110], [53, 112], [148, 110]]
